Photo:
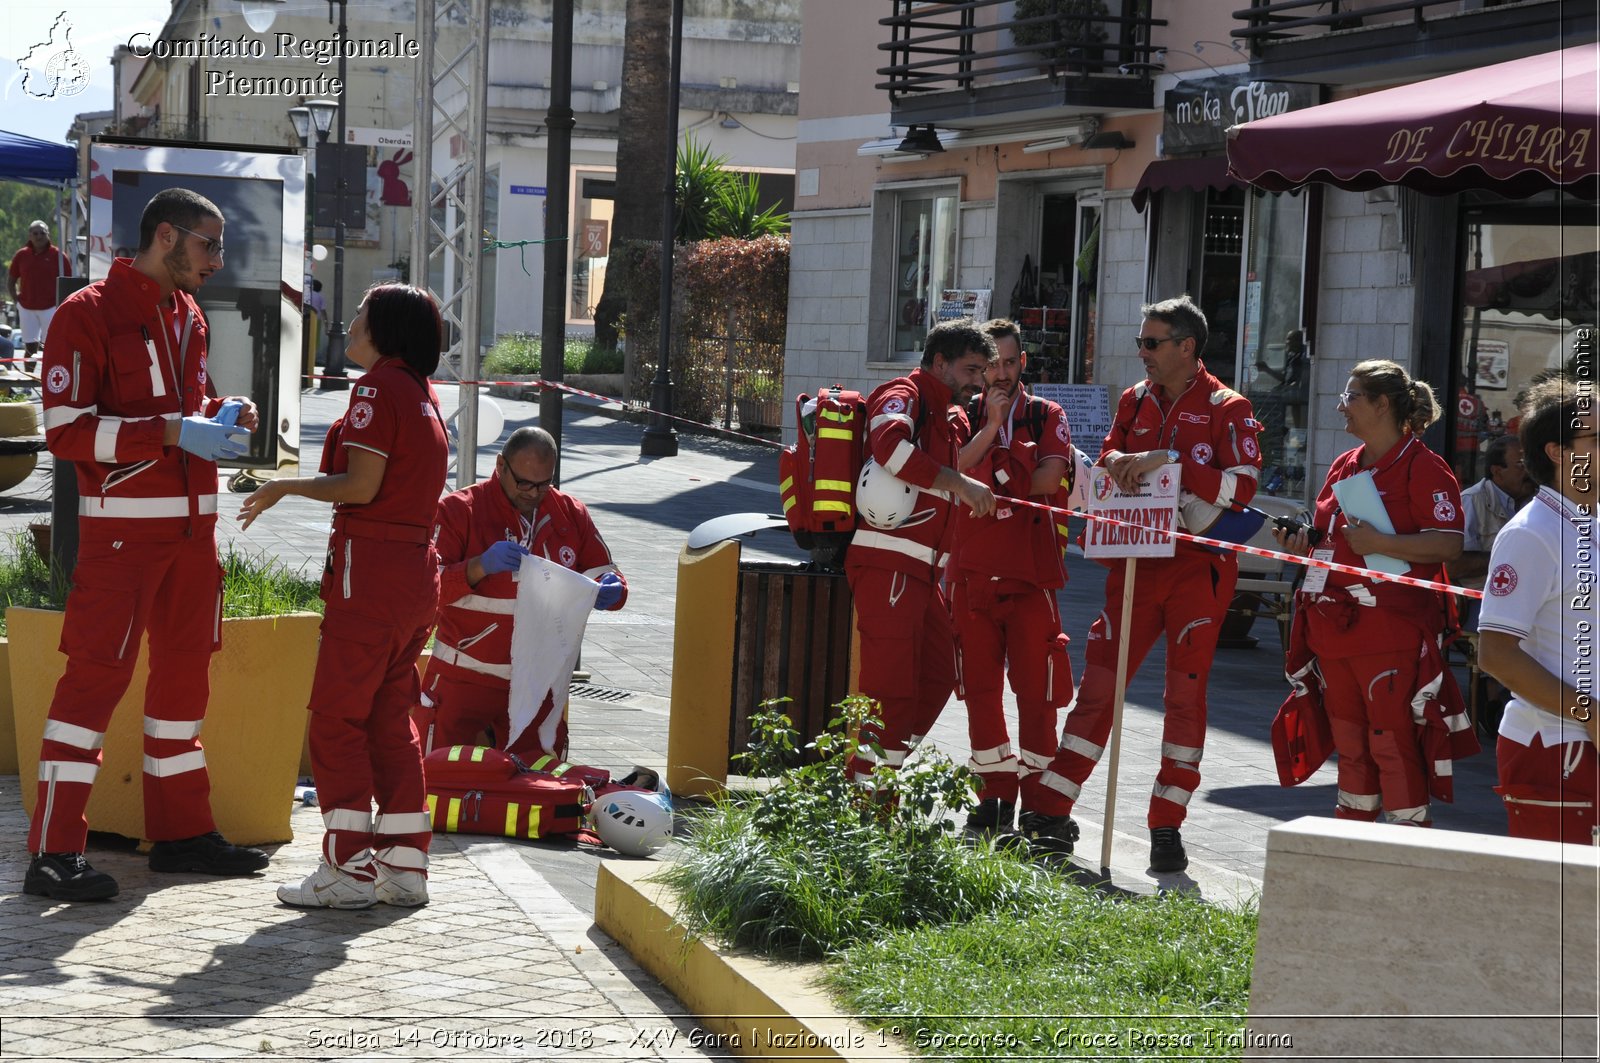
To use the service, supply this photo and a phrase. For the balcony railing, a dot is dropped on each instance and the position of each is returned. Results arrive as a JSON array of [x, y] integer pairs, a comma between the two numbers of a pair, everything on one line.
[[1268, 21], [965, 45]]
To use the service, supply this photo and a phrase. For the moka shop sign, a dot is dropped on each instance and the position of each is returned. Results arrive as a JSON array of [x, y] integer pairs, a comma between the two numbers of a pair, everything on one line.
[[1199, 112]]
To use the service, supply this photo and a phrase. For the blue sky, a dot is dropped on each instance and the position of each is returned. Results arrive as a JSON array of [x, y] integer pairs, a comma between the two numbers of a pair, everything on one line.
[[95, 28]]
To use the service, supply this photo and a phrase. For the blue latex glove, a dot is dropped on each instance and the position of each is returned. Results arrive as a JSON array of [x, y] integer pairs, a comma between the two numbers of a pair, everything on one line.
[[503, 556], [229, 414], [610, 591], [212, 439]]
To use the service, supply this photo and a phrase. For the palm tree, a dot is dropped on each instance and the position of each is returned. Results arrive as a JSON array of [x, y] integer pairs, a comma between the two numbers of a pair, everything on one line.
[[642, 145]]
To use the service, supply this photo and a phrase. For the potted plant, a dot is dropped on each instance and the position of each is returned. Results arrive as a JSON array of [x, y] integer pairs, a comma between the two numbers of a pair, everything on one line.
[[1074, 41], [255, 725]]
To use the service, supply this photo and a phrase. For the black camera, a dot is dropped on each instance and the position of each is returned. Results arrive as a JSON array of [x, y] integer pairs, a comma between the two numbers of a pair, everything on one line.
[[1289, 526]]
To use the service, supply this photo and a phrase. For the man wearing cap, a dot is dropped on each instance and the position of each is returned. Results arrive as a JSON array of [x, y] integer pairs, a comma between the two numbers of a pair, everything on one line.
[[34, 270], [1181, 415]]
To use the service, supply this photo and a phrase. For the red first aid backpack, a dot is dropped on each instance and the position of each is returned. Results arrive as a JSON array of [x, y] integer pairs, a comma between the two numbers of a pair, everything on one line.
[[817, 473], [479, 790]]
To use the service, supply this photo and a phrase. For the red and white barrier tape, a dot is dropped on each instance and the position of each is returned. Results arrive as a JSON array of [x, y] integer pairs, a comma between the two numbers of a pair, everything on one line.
[[1276, 555]]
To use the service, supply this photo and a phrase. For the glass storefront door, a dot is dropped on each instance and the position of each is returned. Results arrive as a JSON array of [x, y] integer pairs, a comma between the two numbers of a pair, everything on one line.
[[1529, 282], [1274, 363]]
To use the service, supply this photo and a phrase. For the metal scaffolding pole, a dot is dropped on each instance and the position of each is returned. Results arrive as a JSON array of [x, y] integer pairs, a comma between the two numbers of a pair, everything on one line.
[[447, 232]]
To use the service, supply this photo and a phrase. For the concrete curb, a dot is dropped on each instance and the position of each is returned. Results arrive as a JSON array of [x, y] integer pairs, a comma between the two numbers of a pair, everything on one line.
[[753, 1008]]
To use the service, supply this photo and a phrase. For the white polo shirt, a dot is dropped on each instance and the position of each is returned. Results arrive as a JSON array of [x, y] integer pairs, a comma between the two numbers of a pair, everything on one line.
[[1542, 589]]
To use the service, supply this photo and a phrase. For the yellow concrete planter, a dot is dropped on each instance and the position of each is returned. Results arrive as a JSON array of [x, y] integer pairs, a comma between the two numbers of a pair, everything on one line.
[[754, 1008], [253, 733]]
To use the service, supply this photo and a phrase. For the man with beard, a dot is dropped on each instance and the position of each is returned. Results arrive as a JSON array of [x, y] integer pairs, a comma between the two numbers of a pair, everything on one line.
[[126, 401], [915, 431], [1004, 577]]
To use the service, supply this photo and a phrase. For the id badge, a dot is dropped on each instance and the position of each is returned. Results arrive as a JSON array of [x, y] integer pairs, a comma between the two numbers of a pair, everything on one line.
[[1316, 576]]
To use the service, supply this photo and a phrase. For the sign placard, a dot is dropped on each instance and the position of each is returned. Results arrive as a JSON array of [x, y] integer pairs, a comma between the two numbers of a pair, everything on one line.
[[1088, 410], [964, 302], [1154, 506], [1200, 110]]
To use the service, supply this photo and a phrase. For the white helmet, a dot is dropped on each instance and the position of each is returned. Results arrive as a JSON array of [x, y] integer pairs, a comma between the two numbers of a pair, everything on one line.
[[883, 499], [633, 822]]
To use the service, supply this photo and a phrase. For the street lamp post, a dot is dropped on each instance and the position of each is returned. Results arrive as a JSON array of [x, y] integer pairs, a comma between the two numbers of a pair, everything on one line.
[[300, 117], [259, 16], [323, 115]]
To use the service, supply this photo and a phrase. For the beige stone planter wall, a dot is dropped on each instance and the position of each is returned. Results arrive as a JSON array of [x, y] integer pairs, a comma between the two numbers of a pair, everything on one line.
[[253, 734]]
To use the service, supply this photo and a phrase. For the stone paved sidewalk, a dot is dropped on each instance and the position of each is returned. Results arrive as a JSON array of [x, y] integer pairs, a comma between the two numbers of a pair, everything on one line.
[[498, 966]]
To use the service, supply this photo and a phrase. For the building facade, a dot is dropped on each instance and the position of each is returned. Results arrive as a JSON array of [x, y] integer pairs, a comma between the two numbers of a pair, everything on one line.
[[207, 77], [1063, 161]]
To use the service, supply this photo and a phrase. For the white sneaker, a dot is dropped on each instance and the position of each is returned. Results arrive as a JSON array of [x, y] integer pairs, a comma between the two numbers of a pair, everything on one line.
[[404, 889], [329, 887]]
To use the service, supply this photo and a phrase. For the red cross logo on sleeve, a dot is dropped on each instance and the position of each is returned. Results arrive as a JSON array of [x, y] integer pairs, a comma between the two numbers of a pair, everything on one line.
[[1502, 581]]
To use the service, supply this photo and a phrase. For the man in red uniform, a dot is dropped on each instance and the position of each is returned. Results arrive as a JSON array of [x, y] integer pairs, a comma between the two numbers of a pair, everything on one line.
[[915, 429], [1181, 414], [126, 401], [33, 274], [1005, 570], [482, 533]]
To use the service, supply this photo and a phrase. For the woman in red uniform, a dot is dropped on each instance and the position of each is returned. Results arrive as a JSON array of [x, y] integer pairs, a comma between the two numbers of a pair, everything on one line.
[[384, 469], [1377, 642]]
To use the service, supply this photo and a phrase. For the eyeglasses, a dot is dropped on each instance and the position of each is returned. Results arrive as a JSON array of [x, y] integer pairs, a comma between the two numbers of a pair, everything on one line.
[[214, 248], [1150, 343], [1347, 397], [521, 484]]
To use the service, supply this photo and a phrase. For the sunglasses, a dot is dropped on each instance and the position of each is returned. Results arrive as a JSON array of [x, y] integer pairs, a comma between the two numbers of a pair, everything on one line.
[[1347, 397], [1150, 343], [525, 485], [214, 248]]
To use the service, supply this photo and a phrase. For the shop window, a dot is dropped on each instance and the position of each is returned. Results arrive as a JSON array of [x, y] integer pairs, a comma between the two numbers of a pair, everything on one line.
[[1274, 362], [1529, 282], [1220, 253], [924, 265]]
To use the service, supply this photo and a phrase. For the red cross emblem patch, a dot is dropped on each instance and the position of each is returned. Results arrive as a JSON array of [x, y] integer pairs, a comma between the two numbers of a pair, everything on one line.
[[1502, 581]]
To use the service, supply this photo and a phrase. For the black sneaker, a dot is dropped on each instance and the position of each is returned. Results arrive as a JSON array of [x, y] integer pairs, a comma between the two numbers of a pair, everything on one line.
[[992, 817], [67, 877], [1166, 850], [1049, 834], [209, 854]]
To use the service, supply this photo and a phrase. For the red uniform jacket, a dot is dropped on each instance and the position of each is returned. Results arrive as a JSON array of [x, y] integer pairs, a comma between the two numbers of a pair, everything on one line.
[[1210, 426], [474, 638], [115, 372], [1018, 542], [912, 431]]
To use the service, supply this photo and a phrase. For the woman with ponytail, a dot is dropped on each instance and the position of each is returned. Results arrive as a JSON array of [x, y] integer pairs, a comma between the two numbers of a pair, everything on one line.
[[1393, 708]]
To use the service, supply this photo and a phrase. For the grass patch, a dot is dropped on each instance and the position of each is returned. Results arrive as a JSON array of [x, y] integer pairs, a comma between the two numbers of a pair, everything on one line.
[[963, 951], [253, 585], [1163, 977], [517, 354]]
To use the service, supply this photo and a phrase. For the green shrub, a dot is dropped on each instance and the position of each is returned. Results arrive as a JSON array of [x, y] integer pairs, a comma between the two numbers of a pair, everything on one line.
[[817, 863], [517, 354], [252, 585]]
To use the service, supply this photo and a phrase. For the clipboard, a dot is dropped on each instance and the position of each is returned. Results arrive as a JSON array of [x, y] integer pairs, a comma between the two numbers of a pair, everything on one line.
[[1358, 497]]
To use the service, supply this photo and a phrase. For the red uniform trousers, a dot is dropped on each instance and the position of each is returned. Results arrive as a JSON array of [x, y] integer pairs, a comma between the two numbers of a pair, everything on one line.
[[1185, 597], [1550, 791], [907, 657], [1011, 628], [173, 589], [1368, 701], [363, 745], [463, 710]]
